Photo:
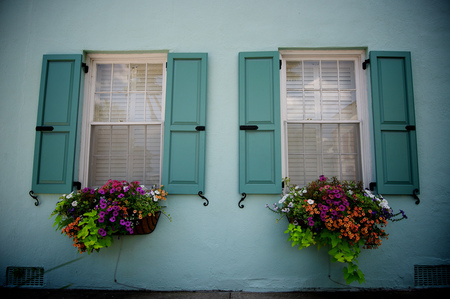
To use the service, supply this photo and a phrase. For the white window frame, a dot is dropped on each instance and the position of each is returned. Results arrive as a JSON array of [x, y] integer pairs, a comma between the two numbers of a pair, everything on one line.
[[88, 102], [362, 103]]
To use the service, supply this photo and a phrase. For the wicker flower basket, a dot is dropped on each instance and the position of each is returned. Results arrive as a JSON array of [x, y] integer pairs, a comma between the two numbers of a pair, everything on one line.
[[147, 224]]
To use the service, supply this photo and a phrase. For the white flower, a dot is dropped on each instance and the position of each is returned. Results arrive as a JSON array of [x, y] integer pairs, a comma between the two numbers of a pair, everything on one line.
[[283, 198], [297, 187], [310, 201], [304, 191], [74, 203], [69, 196], [350, 192]]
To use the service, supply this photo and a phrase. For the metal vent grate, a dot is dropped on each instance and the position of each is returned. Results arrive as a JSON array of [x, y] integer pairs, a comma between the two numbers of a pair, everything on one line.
[[25, 276], [431, 275]]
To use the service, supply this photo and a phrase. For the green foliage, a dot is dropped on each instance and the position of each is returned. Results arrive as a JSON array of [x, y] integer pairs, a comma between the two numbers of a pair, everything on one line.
[[339, 215]]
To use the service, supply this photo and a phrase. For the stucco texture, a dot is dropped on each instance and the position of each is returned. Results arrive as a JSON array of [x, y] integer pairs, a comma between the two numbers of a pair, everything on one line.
[[220, 247]]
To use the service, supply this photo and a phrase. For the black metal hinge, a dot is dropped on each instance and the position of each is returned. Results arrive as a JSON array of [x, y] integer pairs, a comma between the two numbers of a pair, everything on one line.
[[85, 67], [281, 63], [200, 128], [77, 184], [365, 63], [410, 128]]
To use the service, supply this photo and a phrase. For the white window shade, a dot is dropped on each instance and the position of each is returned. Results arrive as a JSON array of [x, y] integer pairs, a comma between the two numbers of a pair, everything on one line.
[[322, 125], [126, 125]]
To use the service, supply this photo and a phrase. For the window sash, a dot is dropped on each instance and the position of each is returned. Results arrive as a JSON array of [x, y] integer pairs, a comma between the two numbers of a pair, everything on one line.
[[359, 111], [133, 95]]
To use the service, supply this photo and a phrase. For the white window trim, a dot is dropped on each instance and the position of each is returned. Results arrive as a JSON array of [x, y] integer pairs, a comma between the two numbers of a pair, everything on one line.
[[88, 102], [362, 103]]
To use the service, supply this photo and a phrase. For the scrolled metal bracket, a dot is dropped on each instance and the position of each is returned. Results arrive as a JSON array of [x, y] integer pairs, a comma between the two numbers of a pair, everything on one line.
[[244, 195], [200, 193], [34, 197], [415, 192]]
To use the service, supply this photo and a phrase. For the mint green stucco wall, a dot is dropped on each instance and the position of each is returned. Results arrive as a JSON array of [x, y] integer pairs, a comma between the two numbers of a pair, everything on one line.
[[220, 247]]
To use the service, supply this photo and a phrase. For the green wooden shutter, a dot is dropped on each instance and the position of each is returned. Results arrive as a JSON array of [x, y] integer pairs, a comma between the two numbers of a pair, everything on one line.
[[259, 121], [184, 129], [56, 128], [394, 122]]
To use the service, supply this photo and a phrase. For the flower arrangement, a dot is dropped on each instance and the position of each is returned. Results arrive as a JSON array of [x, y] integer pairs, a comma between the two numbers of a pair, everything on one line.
[[340, 214], [92, 215]]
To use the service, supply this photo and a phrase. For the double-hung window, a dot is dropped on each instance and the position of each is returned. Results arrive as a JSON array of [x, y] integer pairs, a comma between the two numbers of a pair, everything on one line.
[[324, 115], [123, 119]]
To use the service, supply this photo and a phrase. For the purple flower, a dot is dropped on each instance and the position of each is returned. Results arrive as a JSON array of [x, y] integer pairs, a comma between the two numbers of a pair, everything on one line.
[[128, 224], [112, 219], [139, 189], [112, 190], [322, 178], [86, 190], [102, 232], [122, 222], [101, 214], [338, 195], [121, 195], [92, 191], [142, 192], [101, 219], [103, 205], [101, 191], [311, 223], [115, 213], [341, 208]]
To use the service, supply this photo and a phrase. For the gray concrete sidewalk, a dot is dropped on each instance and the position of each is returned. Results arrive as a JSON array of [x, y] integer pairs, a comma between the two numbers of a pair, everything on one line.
[[430, 293]]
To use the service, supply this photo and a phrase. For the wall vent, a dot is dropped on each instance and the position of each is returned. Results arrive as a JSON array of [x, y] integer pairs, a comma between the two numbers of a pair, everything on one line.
[[25, 276], [427, 276]]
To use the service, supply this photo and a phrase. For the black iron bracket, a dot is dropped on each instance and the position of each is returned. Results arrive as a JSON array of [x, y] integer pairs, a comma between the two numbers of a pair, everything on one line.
[[244, 195], [415, 192], [200, 128], [410, 128], [365, 63], [85, 67], [34, 197], [372, 186], [200, 193]]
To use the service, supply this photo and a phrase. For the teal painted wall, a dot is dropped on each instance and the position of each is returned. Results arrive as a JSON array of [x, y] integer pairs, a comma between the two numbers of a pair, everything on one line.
[[220, 247]]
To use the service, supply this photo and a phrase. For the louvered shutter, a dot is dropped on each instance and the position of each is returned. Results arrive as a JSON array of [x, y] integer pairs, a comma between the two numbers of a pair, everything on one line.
[[394, 122], [56, 129], [259, 123], [184, 129]]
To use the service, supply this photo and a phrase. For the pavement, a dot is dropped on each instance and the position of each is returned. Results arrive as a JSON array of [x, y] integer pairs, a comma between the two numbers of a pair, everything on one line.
[[31, 293]]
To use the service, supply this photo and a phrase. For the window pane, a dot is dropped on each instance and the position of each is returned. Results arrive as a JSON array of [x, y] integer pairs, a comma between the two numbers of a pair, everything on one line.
[[119, 107], [348, 105], [329, 74], [101, 107], [103, 80], [347, 75], [137, 77], [120, 77], [136, 111], [312, 105], [294, 75], [311, 75], [330, 105], [295, 105], [153, 107]]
